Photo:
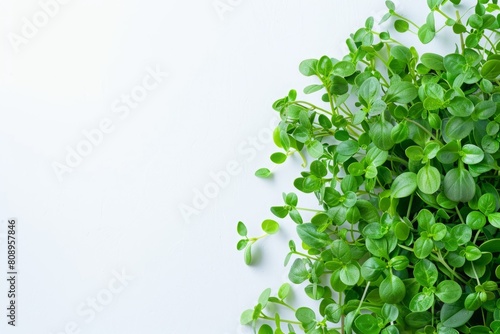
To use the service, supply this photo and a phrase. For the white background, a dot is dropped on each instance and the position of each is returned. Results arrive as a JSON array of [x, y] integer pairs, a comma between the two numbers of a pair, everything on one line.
[[119, 209]]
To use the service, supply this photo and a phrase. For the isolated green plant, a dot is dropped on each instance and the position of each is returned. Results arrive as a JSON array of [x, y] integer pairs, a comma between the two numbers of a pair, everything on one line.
[[405, 237]]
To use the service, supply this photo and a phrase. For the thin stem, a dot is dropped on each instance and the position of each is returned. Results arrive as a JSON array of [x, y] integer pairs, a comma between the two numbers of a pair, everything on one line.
[[397, 159], [281, 302], [342, 316], [405, 19], [265, 317], [363, 297], [459, 215], [305, 255], [312, 106], [477, 235], [443, 13], [421, 126], [440, 259], [462, 42], [310, 210], [491, 43], [475, 274], [409, 206]]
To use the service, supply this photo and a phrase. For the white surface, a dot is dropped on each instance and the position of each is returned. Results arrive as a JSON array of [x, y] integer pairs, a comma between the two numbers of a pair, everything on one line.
[[120, 208]]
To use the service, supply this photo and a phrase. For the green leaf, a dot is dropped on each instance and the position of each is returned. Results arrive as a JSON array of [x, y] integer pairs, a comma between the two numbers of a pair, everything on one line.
[[485, 109], [401, 26], [428, 179], [473, 301], [475, 220], [494, 219], [390, 312], [308, 67], [246, 317], [339, 86], [404, 185], [392, 290], [264, 297], [448, 154], [298, 272], [400, 133], [425, 273], [418, 319], [344, 68], [432, 61], [279, 211], [415, 153], [348, 148], [325, 66], [349, 274], [247, 255], [458, 128], [471, 154], [367, 324], [369, 90], [401, 53], [265, 329], [242, 229], [423, 247], [459, 186], [376, 157], [305, 315], [461, 106], [333, 312], [454, 315], [310, 235], [278, 157], [461, 233], [315, 149], [487, 203], [341, 250], [426, 33], [491, 69], [312, 89], [433, 4], [448, 291], [270, 226], [421, 302], [263, 173], [372, 269], [401, 92], [242, 244], [380, 133], [284, 291], [455, 63]]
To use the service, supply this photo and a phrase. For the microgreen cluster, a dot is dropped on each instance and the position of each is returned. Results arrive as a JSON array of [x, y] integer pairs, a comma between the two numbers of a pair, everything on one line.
[[403, 157]]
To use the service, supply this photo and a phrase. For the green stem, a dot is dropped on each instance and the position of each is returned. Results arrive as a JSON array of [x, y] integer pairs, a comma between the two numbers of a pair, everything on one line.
[[440, 259], [475, 274], [310, 210], [397, 159], [312, 106], [285, 304], [265, 317], [342, 316], [363, 297], [405, 19], [462, 42], [420, 126], [409, 206], [459, 215], [493, 48], [443, 13], [306, 255]]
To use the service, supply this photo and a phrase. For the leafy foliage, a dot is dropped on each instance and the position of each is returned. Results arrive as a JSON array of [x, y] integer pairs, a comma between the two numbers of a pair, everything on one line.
[[405, 238]]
